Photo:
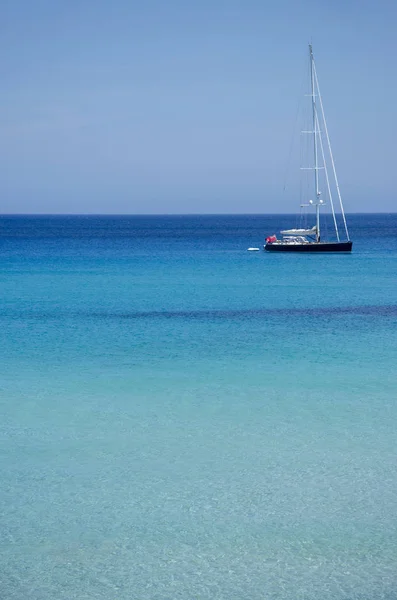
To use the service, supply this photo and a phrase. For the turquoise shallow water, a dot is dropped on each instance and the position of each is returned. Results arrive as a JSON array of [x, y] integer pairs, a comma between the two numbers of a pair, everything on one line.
[[184, 419]]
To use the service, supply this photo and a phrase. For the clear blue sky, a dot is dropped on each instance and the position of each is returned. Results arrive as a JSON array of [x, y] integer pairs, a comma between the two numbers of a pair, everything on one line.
[[178, 106]]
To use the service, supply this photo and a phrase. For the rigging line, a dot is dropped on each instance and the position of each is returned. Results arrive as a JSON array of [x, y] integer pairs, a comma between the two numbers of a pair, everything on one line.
[[327, 178], [330, 152], [294, 134], [291, 147]]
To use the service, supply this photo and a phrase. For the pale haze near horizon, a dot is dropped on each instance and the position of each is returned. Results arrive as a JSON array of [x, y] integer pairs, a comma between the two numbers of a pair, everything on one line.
[[174, 107]]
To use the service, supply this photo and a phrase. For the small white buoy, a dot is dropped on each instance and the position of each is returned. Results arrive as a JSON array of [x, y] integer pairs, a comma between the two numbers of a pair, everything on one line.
[[253, 249]]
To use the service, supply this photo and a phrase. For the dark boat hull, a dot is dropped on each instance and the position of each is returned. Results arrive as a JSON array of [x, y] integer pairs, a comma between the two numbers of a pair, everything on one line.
[[311, 247]]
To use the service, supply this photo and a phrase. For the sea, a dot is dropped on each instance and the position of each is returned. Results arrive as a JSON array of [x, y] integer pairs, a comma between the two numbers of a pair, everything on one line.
[[183, 419]]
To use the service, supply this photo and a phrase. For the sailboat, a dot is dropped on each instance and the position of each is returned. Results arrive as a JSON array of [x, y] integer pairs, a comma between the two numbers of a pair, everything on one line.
[[309, 238]]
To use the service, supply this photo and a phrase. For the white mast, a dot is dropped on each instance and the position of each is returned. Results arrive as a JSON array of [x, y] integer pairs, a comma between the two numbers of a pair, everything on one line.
[[314, 110]]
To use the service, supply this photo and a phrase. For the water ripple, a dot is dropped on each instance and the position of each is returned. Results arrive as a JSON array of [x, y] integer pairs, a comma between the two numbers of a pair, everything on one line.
[[376, 311]]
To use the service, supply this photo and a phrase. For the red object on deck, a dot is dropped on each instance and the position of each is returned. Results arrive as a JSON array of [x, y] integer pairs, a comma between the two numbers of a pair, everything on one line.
[[271, 239]]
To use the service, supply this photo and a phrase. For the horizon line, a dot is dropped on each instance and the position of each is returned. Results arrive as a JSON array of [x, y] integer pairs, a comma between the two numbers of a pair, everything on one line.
[[243, 214]]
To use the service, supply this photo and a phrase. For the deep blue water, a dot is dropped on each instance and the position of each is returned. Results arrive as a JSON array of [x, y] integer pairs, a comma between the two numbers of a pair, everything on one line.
[[185, 419]]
